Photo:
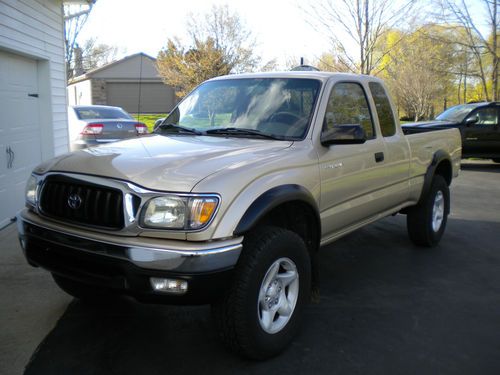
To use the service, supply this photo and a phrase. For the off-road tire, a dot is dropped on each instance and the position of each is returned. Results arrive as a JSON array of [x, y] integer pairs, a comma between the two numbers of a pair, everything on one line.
[[419, 218], [236, 315]]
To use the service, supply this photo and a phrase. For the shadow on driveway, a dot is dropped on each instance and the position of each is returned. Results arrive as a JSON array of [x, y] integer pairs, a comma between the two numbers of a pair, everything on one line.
[[386, 307]]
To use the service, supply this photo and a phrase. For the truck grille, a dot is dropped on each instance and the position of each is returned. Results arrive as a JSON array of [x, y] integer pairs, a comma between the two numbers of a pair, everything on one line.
[[80, 202]]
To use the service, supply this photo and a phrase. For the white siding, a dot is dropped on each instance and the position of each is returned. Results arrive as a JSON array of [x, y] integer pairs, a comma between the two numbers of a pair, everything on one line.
[[80, 93], [34, 28]]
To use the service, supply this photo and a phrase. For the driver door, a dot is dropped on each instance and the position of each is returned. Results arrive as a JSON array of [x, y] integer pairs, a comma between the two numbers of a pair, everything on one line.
[[480, 138], [351, 174]]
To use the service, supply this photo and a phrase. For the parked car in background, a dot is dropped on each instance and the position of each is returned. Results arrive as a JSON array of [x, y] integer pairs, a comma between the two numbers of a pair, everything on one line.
[[478, 124], [94, 125]]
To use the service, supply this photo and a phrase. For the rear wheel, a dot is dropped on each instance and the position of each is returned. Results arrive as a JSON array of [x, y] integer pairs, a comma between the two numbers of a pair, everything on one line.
[[262, 310], [496, 160], [426, 221]]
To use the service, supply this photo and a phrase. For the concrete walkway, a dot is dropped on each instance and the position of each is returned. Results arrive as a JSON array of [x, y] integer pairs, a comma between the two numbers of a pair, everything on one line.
[[30, 305]]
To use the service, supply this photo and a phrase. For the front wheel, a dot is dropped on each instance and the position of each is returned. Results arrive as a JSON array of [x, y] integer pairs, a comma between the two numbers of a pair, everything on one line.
[[427, 220], [261, 312], [496, 160]]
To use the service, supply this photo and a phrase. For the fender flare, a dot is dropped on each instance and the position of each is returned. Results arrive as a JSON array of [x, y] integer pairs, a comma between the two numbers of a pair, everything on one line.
[[271, 199], [438, 157]]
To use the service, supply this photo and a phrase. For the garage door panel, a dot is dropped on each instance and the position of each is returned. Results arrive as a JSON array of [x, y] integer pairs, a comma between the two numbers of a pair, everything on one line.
[[154, 97], [24, 116], [18, 72], [20, 144]]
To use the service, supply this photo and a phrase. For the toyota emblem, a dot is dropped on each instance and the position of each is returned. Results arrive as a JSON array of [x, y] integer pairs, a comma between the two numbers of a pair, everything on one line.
[[74, 201]]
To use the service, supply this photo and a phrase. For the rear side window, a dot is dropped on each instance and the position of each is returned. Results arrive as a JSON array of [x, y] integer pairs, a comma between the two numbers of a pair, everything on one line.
[[347, 105], [384, 110]]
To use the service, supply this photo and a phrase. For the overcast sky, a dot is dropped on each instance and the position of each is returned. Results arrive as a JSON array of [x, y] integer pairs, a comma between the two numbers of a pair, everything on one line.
[[145, 26]]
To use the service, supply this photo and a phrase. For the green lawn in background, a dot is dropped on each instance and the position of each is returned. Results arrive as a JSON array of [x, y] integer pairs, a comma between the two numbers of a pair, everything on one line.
[[148, 118]]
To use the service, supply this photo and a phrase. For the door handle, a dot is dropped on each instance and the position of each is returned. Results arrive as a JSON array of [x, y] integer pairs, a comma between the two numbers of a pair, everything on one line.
[[10, 157], [379, 157]]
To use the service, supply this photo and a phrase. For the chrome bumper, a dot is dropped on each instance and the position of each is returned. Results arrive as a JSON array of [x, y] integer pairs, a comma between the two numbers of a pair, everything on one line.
[[148, 253]]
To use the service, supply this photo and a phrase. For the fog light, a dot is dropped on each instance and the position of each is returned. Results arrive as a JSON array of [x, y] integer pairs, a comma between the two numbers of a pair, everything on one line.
[[173, 286]]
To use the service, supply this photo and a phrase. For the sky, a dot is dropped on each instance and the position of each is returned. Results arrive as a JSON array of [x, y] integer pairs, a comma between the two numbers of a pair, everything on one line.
[[144, 26], [279, 26]]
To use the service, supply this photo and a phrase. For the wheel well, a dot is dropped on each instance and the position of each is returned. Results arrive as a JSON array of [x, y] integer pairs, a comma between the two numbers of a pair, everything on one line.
[[444, 169], [301, 218]]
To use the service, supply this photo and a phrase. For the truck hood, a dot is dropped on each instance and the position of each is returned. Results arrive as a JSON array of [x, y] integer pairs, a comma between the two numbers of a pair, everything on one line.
[[157, 162]]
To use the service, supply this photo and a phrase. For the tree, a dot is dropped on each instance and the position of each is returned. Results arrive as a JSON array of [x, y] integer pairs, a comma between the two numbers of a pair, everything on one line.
[[75, 17], [229, 34], [220, 44], [457, 14], [96, 54], [329, 62], [360, 21], [184, 69], [418, 70]]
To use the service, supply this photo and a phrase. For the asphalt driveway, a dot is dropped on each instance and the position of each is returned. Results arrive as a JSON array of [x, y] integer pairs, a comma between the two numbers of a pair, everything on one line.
[[386, 307]]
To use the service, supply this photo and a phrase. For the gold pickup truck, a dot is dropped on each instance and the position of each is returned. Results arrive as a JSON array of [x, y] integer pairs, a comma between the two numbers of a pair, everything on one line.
[[230, 199]]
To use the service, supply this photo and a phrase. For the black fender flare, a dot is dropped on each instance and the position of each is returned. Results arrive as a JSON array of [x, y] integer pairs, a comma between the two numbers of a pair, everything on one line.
[[438, 157], [271, 199]]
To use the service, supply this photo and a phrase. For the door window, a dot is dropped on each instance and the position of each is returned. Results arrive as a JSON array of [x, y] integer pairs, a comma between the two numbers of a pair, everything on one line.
[[485, 116], [347, 105]]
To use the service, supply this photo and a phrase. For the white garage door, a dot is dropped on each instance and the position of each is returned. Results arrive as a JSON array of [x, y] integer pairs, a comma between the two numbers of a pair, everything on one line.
[[20, 148]]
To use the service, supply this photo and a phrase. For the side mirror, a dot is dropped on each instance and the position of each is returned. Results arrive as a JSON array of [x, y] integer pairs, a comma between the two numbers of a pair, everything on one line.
[[471, 121], [344, 135]]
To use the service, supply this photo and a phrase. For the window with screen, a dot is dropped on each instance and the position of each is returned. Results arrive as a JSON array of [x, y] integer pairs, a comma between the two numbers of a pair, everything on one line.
[[347, 105], [384, 109]]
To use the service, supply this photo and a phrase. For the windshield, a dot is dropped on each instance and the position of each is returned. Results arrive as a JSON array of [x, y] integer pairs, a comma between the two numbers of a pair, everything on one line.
[[89, 113], [279, 108], [456, 113]]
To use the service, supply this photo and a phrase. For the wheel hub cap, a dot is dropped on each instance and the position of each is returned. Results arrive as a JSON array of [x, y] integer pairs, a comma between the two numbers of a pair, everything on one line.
[[438, 211], [278, 295]]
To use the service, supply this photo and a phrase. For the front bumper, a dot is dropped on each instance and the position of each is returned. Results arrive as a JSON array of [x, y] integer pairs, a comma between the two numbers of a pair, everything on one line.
[[124, 265]]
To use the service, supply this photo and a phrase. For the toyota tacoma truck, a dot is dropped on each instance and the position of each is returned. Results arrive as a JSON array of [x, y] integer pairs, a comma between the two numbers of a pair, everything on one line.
[[230, 200]]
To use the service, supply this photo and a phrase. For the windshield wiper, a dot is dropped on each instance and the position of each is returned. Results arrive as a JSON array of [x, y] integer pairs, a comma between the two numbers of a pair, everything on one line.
[[242, 131], [179, 129]]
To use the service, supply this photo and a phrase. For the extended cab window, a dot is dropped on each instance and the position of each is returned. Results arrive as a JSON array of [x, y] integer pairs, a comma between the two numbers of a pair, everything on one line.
[[384, 110], [347, 105]]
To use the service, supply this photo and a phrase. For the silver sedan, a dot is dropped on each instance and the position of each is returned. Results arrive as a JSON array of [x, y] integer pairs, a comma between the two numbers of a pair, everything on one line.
[[93, 125]]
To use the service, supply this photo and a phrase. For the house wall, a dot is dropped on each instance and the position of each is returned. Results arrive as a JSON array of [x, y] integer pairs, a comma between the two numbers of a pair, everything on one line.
[[34, 29], [80, 93], [32, 94], [130, 68], [98, 89]]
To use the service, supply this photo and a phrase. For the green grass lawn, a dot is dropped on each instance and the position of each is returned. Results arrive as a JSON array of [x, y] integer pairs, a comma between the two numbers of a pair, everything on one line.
[[148, 118]]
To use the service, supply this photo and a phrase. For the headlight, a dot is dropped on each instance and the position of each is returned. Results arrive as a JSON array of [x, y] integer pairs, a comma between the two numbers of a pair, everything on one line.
[[32, 190], [177, 212]]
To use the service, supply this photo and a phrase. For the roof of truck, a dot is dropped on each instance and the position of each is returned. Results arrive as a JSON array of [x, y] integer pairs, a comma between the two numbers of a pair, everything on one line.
[[301, 74]]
